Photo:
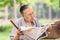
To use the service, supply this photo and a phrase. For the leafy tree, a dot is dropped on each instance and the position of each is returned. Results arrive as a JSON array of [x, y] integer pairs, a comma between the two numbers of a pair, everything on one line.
[[53, 3], [3, 3]]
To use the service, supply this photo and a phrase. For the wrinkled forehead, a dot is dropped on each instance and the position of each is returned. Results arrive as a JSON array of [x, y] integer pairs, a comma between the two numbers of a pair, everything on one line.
[[29, 9]]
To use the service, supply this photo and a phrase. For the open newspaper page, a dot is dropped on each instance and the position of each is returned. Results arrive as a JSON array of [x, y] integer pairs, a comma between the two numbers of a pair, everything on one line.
[[35, 33]]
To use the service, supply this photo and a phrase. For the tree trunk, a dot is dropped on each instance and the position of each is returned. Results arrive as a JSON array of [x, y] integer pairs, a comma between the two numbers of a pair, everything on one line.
[[15, 13]]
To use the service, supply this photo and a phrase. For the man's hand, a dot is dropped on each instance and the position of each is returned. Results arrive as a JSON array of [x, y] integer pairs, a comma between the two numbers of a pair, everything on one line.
[[18, 34]]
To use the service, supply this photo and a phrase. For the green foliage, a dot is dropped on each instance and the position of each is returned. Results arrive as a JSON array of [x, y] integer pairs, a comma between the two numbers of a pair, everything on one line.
[[53, 3], [25, 1], [6, 28], [3, 3]]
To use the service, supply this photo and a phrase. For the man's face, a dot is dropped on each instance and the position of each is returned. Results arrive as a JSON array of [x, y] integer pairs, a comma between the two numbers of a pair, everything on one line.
[[28, 14]]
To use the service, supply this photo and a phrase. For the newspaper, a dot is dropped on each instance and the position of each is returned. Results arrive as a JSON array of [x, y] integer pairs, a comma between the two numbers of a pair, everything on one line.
[[35, 33]]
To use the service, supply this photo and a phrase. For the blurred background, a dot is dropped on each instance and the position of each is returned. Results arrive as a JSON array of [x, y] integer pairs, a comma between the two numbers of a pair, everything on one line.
[[46, 11]]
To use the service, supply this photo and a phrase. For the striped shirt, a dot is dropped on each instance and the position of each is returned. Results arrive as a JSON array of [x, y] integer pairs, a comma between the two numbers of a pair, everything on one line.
[[21, 22]]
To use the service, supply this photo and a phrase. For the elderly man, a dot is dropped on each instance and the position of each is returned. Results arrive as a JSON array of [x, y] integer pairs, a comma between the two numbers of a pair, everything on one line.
[[27, 20]]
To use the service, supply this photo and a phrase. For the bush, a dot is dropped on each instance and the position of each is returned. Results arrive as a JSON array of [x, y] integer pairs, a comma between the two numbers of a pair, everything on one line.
[[7, 27]]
